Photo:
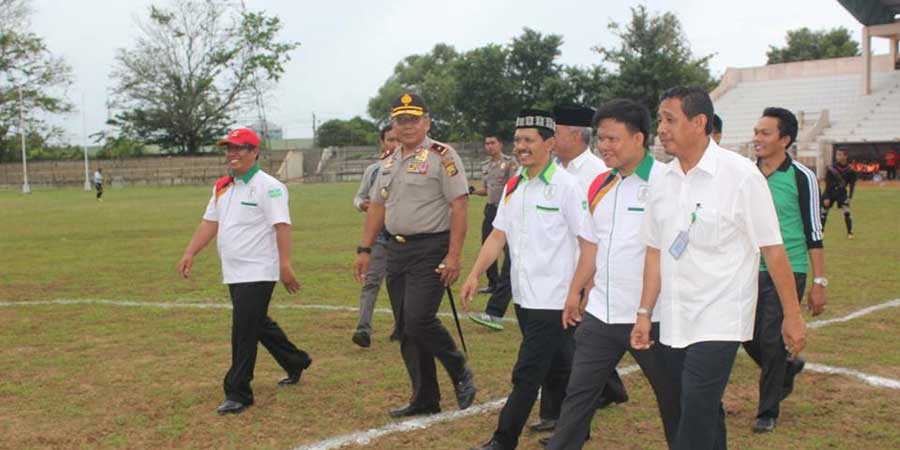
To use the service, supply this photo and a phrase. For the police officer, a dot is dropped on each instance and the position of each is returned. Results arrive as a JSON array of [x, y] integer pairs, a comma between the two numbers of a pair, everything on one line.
[[495, 172], [420, 196], [378, 259], [248, 214]]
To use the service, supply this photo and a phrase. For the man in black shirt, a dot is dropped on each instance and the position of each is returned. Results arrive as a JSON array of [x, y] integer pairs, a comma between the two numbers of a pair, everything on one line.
[[840, 182]]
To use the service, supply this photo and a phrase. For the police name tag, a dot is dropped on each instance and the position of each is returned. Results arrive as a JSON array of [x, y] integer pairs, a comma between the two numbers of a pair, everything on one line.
[[679, 245]]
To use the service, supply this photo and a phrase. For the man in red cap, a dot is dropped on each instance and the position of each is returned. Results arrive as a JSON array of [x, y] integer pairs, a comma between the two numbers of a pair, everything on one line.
[[249, 215]]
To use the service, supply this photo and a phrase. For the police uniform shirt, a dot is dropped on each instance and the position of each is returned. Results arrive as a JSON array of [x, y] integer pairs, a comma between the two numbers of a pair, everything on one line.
[[542, 217], [709, 293], [586, 167], [416, 191], [495, 174], [616, 206], [247, 208]]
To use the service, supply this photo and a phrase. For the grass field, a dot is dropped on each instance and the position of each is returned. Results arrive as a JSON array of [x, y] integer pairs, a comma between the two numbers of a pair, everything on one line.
[[102, 376]]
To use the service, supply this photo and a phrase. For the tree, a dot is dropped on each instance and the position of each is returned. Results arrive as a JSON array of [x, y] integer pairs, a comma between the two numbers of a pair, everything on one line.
[[193, 65], [532, 66], [27, 64], [654, 55], [342, 133], [429, 75], [485, 95], [804, 44]]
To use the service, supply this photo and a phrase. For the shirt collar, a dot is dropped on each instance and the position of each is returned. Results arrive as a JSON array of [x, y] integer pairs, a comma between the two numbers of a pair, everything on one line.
[[546, 175], [643, 169], [580, 159], [249, 175], [783, 167]]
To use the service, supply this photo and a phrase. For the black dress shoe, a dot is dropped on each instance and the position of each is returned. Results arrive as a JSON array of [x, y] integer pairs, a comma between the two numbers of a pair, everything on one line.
[[489, 445], [294, 378], [606, 401], [414, 410], [231, 407], [545, 441], [794, 367], [764, 425], [542, 426], [465, 390], [362, 339]]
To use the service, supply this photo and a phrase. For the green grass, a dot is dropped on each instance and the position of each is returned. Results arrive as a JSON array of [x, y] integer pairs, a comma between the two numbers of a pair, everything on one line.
[[95, 376]]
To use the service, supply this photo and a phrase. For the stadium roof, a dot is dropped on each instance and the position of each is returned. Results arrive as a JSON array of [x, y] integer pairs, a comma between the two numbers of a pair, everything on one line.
[[873, 12]]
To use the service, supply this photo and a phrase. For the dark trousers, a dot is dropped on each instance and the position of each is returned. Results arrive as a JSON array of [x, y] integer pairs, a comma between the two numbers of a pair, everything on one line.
[[416, 293], [99, 187], [599, 347], [502, 287], [767, 346], [250, 324], [839, 200], [891, 172], [544, 343], [702, 369]]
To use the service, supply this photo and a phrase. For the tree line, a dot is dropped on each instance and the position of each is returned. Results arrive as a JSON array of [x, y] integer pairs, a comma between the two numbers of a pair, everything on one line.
[[195, 63]]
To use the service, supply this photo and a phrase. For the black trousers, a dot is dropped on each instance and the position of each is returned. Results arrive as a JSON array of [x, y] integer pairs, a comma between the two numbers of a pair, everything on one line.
[[250, 325], [416, 293], [499, 282], [99, 187], [599, 347], [767, 346], [544, 344], [702, 370]]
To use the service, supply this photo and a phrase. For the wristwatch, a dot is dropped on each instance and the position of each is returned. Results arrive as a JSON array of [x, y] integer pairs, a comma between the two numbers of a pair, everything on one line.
[[821, 281], [643, 311], [363, 250]]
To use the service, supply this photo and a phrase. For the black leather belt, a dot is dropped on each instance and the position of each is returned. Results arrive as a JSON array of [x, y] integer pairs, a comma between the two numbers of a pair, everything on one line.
[[404, 238]]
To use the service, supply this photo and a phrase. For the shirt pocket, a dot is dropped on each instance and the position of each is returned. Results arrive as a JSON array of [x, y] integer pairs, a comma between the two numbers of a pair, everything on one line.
[[705, 233], [549, 216]]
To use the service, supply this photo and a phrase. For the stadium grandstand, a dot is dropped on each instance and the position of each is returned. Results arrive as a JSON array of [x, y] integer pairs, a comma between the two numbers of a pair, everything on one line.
[[842, 103]]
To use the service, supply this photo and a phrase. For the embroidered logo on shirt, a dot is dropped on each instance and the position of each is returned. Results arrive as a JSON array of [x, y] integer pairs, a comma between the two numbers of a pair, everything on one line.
[[275, 193], [643, 193]]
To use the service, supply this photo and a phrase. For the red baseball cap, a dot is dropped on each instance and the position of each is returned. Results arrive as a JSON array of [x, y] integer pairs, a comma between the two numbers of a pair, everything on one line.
[[240, 137]]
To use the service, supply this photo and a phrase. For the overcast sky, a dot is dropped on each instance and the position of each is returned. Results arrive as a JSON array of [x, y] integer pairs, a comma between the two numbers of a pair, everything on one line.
[[349, 48]]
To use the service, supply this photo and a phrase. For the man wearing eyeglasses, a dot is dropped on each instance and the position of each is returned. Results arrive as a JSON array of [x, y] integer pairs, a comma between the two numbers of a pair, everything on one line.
[[248, 214], [420, 197]]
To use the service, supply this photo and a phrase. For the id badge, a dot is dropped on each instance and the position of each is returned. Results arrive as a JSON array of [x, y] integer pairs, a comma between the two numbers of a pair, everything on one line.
[[679, 245]]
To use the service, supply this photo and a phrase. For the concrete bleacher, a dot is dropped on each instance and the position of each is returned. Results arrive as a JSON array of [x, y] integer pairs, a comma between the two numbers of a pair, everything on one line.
[[826, 95]]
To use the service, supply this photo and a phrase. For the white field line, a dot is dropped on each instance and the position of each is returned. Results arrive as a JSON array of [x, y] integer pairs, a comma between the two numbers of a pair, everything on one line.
[[873, 380], [196, 305], [365, 437]]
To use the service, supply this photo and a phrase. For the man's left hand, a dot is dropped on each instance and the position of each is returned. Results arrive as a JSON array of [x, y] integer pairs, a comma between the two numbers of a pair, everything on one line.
[[449, 270], [289, 280], [816, 299]]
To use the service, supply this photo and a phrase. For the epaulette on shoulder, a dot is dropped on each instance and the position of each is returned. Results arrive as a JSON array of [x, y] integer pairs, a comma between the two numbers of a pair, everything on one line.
[[439, 148]]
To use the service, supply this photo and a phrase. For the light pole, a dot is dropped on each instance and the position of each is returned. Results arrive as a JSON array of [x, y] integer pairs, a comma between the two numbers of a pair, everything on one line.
[[26, 189], [87, 180]]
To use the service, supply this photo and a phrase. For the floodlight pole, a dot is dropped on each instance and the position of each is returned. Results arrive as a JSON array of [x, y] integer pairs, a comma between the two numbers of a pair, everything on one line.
[[26, 189], [87, 180]]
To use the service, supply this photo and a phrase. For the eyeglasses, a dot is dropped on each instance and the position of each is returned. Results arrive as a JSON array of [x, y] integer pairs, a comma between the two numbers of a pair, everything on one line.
[[238, 149]]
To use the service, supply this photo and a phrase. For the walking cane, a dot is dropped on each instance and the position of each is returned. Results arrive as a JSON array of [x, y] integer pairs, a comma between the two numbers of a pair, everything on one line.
[[456, 318]]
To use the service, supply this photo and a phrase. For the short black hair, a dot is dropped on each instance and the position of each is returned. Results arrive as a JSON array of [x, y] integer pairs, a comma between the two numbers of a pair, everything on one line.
[[493, 135], [384, 131], [634, 115], [717, 124], [545, 133], [694, 100], [787, 122]]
